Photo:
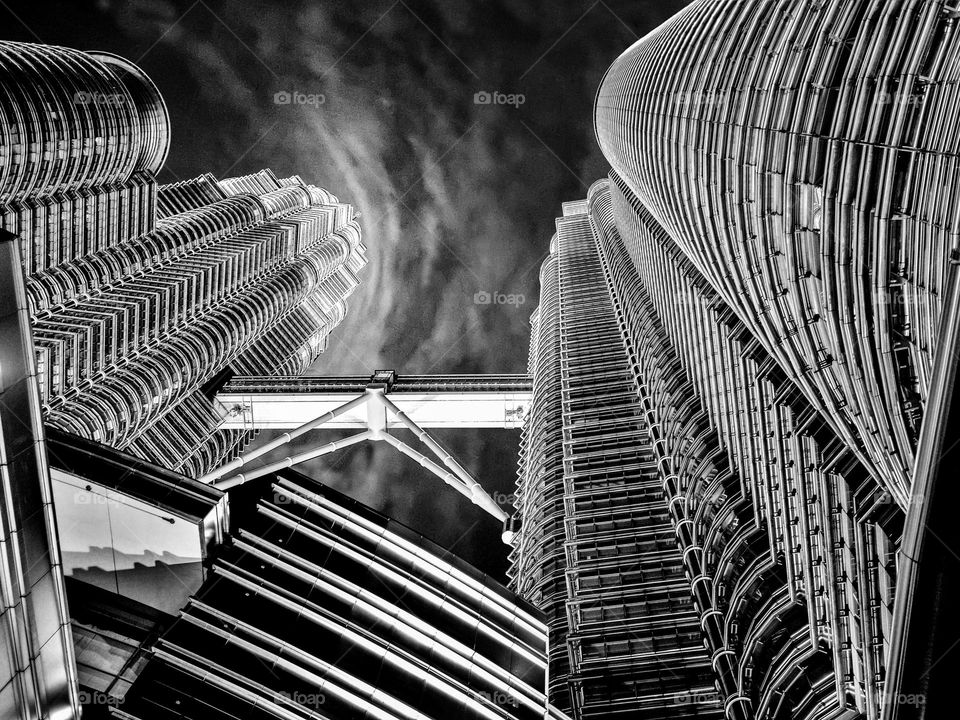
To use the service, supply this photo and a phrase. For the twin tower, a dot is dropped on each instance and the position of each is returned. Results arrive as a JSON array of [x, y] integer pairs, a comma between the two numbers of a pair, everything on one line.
[[732, 501], [743, 366]]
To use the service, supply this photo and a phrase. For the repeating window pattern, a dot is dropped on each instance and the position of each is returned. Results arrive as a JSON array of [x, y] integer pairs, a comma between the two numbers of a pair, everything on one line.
[[190, 318], [355, 615], [75, 120], [802, 155], [702, 541], [81, 138], [803, 574], [597, 551], [537, 564], [140, 294]]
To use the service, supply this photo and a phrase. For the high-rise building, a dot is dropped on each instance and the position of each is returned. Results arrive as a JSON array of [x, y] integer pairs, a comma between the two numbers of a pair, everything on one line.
[[321, 607], [144, 298], [733, 359], [284, 599], [38, 675], [597, 550]]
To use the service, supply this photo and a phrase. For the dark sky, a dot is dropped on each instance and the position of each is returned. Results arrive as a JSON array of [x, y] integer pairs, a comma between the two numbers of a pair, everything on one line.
[[456, 197]]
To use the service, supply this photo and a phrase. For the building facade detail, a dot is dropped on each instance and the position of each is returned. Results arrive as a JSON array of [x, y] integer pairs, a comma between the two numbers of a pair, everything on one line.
[[321, 607], [142, 296], [597, 550], [676, 487], [803, 157]]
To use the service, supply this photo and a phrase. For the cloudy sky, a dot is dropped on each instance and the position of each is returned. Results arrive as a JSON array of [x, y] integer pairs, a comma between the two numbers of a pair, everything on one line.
[[457, 197]]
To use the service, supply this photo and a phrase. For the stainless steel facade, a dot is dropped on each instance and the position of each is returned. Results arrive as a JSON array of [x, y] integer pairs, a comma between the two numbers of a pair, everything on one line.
[[38, 674], [789, 543], [769, 259], [703, 543], [803, 157], [597, 550], [296, 602], [142, 295], [321, 607]]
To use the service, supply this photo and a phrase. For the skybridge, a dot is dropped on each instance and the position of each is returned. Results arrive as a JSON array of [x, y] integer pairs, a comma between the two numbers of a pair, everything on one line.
[[375, 405], [431, 401]]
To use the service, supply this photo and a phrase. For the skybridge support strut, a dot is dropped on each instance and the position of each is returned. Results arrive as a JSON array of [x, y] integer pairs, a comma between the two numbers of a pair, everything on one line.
[[381, 414]]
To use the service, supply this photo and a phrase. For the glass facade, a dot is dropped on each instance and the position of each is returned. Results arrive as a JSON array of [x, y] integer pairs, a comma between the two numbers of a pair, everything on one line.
[[140, 295], [132, 528], [320, 607], [702, 542], [802, 156], [758, 289], [597, 550], [38, 675]]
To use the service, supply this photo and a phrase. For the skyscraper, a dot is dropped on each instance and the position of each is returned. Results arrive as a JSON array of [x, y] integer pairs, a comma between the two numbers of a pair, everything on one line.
[[735, 344], [597, 550], [143, 297], [38, 676], [321, 607], [284, 599]]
